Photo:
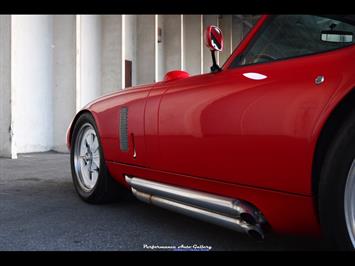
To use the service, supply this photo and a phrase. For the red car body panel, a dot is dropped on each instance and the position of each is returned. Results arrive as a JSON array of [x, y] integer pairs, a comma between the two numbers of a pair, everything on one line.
[[230, 135]]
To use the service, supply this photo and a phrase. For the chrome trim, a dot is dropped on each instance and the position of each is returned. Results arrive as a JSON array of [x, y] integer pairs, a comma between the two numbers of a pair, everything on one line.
[[231, 213], [220, 204], [134, 147], [134, 152], [319, 80]]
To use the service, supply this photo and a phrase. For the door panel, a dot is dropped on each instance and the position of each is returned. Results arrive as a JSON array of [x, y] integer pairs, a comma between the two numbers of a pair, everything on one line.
[[231, 128]]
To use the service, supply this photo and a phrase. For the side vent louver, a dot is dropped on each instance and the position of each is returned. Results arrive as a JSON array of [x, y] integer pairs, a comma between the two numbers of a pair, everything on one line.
[[124, 129]]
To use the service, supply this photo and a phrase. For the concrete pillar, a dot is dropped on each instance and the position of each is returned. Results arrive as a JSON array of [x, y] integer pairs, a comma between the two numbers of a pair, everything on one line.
[[207, 59], [130, 41], [225, 23], [88, 63], [64, 96], [6, 124], [193, 44], [146, 49], [173, 39], [161, 48], [32, 82], [112, 51]]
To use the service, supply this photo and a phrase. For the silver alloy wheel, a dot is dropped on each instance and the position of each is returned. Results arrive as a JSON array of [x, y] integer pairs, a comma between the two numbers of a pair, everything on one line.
[[87, 157], [349, 203]]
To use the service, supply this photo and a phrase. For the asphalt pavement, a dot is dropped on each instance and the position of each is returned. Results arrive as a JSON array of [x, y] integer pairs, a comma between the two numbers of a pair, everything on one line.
[[40, 211]]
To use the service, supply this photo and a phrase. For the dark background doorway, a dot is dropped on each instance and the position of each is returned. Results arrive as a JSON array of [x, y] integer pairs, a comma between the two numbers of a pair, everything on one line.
[[128, 73]]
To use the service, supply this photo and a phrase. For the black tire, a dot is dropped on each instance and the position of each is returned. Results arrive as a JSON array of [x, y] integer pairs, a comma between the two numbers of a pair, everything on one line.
[[334, 174], [106, 188]]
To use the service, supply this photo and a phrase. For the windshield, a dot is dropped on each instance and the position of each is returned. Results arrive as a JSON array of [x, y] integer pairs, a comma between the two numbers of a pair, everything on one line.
[[287, 36]]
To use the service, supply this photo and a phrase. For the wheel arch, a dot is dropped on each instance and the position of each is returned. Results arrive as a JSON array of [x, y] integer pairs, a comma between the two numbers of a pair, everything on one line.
[[72, 124], [328, 131]]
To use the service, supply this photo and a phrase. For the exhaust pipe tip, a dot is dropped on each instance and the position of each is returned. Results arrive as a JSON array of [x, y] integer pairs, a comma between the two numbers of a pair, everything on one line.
[[248, 218], [255, 234], [127, 179]]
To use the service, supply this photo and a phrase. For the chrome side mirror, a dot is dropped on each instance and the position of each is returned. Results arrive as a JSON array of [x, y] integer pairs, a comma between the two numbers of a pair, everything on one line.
[[214, 41]]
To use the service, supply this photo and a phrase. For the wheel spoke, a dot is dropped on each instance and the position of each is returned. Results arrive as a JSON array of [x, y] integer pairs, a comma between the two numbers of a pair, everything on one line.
[[85, 169], [83, 149], [95, 176], [95, 145], [96, 161], [87, 145], [90, 140], [94, 168]]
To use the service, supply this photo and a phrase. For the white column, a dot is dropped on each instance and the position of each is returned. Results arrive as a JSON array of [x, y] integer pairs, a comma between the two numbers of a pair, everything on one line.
[[6, 124], [146, 49], [112, 50], [161, 45], [32, 82], [173, 38], [64, 71], [88, 59], [156, 71], [207, 59], [193, 44]]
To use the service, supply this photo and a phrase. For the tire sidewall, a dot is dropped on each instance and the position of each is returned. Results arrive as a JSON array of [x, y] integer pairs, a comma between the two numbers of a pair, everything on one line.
[[332, 184]]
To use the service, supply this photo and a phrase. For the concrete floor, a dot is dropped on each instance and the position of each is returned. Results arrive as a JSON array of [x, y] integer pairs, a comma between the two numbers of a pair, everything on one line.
[[39, 210]]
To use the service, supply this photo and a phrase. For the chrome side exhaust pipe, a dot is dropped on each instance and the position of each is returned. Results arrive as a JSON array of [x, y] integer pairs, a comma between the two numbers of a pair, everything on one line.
[[234, 214]]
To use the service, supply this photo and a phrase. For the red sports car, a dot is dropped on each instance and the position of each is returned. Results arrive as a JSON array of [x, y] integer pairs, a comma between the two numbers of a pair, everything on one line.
[[265, 142]]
